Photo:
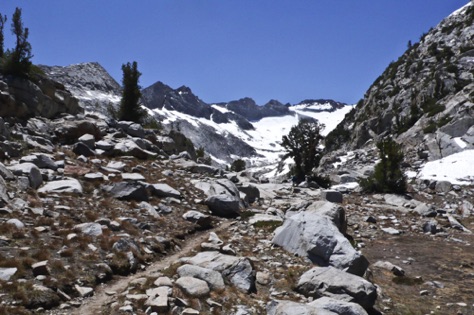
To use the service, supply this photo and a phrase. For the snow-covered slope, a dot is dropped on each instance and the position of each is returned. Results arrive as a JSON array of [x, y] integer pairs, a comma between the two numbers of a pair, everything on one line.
[[264, 138]]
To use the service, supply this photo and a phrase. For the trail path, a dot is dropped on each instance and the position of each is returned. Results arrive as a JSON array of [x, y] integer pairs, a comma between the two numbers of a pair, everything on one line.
[[94, 304]]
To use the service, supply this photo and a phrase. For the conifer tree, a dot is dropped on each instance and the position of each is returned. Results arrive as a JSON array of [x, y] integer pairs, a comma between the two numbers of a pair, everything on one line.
[[388, 176], [17, 61], [130, 103], [3, 20], [302, 144]]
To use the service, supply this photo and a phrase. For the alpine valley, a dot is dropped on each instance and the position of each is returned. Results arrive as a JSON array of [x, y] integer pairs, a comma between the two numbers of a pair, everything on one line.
[[100, 216]]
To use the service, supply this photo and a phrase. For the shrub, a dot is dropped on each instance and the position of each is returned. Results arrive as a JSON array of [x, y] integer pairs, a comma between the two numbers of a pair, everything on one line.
[[238, 165], [388, 176]]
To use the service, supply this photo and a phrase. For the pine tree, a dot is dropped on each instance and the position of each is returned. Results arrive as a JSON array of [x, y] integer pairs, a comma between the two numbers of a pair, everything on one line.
[[17, 61], [3, 20], [388, 176], [302, 144], [130, 103]]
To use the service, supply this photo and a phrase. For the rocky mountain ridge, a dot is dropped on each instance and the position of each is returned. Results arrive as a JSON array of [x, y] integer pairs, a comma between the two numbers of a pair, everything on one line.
[[425, 99], [208, 126]]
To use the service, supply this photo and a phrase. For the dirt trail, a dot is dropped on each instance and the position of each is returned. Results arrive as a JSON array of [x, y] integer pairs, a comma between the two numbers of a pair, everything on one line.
[[94, 304]]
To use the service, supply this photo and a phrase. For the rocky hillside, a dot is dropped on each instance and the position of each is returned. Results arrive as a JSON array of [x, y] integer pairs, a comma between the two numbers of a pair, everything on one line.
[[89, 82], [105, 217], [425, 98]]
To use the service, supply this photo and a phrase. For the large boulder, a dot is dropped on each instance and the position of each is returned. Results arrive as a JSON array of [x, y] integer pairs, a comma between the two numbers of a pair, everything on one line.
[[40, 160], [129, 147], [127, 191], [4, 198], [322, 306], [69, 131], [223, 206], [164, 190], [238, 270], [213, 278], [68, 185], [315, 236], [331, 282], [334, 211], [31, 171], [252, 193]]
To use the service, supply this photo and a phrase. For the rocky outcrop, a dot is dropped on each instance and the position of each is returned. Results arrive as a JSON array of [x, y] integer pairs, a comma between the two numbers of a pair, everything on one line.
[[424, 98], [24, 98]]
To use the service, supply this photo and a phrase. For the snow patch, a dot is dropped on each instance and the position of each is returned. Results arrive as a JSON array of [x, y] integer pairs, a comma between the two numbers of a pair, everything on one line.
[[456, 168]]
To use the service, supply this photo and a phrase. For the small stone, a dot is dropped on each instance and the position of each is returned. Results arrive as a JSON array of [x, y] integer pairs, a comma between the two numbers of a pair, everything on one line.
[[193, 287], [424, 292], [391, 231], [7, 273], [190, 311], [84, 291], [41, 268], [163, 282]]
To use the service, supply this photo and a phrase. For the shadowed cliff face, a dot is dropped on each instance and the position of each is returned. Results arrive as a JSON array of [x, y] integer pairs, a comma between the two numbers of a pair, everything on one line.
[[21, 97], [425, 98]]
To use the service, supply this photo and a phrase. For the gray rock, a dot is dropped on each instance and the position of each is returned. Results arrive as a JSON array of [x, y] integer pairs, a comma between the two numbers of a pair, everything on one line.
[[223, 205], [308, 234], [391, 231], [128, 191], [338, 306], [332, 196], [4, 198], [425, 210], [430, 226], [132, 177], [129, 147], [396, 270], [213, 278], [131, 128], [41, 268], [104, 145], [158, 302], [84, 291], [276, 307], [6, 173], [69, 185], [7, 273], [334, 211], [163, 191], [199, 218], [90, 229], [242, 275], [40, 160], [17, 223], [193, 287], [82, 149], [218, 187], [252, 193], [88, 140], [443, 186], [149, 208], [31, 171], [331, 282], [211, 260]]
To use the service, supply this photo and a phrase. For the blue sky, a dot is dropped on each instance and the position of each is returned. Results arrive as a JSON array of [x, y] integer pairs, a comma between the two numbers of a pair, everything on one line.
[[289, 50]]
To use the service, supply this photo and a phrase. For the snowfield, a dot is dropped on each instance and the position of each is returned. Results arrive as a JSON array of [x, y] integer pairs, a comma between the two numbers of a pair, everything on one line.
[[457, 168]]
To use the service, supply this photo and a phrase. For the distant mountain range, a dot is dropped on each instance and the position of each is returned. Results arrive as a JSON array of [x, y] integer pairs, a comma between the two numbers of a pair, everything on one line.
[[226, 131]]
